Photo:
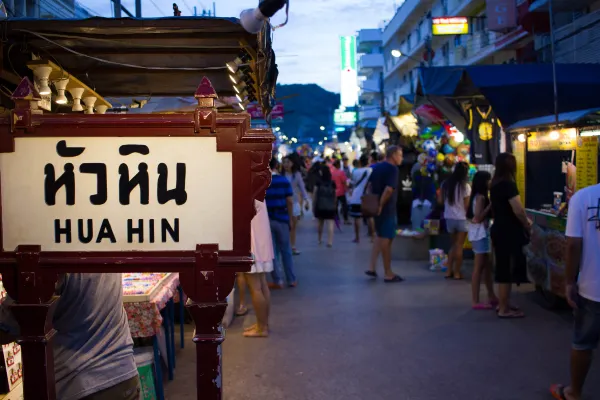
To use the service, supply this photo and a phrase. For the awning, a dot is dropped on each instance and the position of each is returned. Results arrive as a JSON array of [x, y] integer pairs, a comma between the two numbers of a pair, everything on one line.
[[573, 118], [516, 92]]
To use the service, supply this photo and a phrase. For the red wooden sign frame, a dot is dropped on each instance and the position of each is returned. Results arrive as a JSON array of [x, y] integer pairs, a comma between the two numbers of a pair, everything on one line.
[[207, 274]]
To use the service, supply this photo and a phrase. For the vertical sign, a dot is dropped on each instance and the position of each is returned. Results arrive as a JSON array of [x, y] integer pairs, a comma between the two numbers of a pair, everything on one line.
[[349, 76], [519, 152], [501, 15], [586, 161]]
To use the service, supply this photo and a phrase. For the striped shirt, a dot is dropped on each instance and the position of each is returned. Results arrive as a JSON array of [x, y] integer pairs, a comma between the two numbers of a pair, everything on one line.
[[276, 199]]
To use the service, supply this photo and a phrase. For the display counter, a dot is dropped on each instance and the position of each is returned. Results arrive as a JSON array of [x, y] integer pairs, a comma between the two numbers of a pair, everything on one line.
[[546, 253]]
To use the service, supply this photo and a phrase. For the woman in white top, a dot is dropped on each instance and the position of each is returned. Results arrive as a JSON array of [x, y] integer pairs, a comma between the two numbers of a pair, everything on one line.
[[479, 236], [455, 195], [291, 170], [358, 183]]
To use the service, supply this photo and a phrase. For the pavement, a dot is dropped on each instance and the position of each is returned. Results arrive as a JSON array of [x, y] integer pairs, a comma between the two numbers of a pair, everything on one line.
[[341, 336]]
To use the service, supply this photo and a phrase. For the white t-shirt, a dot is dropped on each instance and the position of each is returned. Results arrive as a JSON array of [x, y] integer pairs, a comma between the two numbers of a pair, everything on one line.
[[359, 189], [457, 210], [583, 221]]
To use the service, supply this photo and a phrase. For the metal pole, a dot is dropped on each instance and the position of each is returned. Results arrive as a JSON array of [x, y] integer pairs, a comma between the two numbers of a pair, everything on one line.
[[117, 8], [381, 94], [552, 49], [214, 9], [138, 8]]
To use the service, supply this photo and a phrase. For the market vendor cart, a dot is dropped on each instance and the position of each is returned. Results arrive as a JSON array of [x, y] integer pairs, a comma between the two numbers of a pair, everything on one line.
[[112, 193]]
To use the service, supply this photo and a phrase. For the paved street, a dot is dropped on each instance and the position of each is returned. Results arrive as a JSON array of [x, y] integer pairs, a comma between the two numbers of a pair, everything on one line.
[[340, 336]]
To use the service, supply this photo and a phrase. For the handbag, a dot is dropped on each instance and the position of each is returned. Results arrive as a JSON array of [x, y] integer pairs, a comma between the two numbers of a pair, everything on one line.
[[369, 203]]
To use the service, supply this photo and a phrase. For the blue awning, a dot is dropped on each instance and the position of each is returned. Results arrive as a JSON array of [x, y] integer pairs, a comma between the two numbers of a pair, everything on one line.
[[516, 92], [568, 118]]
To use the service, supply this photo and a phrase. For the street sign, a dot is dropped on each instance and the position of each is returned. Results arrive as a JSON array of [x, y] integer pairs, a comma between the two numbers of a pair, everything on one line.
[[344, 118], [450, 26], [256, 112], [103, 194]]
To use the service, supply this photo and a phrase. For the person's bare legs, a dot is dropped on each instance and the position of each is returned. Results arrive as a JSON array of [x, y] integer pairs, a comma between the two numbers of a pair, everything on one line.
[[450, 261], [375, 254], [489, 281], [264, 286], [241, 283], [386, 254], [371, 225], [458, 254], [356, 230], [320, 230], [581, 361], [504, 298], [260, 307], [480, 260], [330, 229]]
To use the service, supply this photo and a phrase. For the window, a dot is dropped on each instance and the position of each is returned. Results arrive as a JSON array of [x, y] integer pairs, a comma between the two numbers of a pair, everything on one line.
[[409, 42], [419, 31], [457, 41], [404, 78]]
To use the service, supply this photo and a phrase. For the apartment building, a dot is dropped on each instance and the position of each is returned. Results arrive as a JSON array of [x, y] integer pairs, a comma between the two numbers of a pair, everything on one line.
[[370, 75], [46, 9], [410, 33]]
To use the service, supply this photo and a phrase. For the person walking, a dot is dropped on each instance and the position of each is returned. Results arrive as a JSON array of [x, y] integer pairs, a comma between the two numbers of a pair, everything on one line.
[[478, 214], [291, 170], [325, 204], [280, 207], [358, 183], [262, 249], [582, 288], [384, 183], [341, 187], [455, 195], [510, 232]]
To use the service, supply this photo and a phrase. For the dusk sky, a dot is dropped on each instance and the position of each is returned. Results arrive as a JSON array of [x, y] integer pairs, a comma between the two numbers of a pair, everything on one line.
[[307, 49]]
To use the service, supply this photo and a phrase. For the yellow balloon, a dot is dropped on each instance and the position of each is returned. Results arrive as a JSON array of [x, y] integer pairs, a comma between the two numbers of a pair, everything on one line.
[[440, 158], [453, 143]]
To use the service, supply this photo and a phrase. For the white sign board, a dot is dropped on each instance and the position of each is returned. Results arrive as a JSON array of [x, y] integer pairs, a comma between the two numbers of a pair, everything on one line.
[[116, 194]]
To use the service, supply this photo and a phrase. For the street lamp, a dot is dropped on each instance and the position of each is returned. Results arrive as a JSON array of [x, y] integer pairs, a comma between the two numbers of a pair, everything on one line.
[[322, 128], [396, 53]]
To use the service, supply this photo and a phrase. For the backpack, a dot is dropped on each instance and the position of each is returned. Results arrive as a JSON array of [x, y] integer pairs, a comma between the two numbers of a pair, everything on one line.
[[326, 199]]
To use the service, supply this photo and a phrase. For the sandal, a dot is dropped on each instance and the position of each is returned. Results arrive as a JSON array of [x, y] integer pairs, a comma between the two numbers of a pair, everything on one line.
[[396, 278], [511, 315], [558, 392], [254, 327], [241, 311], [482, 306], [255, 333], [511, 308], [372, 274], [295, 252]]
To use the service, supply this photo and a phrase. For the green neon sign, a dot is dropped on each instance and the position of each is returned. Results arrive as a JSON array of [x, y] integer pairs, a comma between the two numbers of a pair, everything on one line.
[[348, 52]]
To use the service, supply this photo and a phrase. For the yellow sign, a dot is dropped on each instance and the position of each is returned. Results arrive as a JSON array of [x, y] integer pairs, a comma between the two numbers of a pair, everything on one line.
[[564, 139], [519, 152], [450, 26], [586, 161]]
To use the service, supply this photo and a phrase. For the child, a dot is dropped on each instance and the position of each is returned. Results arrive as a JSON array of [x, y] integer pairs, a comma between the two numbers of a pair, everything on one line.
[[478, 214]]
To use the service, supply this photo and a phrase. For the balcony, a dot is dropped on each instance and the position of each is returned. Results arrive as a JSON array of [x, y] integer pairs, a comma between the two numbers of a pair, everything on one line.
[[369, 111], [367, 40], [368, 63], [407, 16], [370, 85]]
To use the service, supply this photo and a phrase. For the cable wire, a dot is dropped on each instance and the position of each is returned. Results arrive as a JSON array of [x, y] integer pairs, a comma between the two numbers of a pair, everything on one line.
[[157, 8], [124, 64]]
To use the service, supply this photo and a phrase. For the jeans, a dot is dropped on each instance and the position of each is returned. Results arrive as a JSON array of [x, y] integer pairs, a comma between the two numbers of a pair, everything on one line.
[[282, 248]]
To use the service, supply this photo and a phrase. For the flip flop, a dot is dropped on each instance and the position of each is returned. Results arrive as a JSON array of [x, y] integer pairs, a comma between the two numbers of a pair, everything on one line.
[[511, 315], [449, 277], [558, 392], [372, 274], [253, 327], [241, 311], [396, 278], [255, 333], [482, 306], [511, 308]]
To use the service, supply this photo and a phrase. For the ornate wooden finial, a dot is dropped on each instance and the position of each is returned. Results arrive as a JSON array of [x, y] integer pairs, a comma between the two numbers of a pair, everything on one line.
[[26, 91], [205, 115]]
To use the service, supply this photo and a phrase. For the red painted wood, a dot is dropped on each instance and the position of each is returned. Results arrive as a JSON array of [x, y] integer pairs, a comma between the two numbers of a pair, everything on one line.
[[207, 274]]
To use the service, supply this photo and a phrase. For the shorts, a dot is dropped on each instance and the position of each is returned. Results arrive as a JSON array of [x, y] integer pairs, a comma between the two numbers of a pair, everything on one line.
[[456, 225], [511, 263], [297, 210], [586, 332], [385, 227], [355, 211], [482, 246]]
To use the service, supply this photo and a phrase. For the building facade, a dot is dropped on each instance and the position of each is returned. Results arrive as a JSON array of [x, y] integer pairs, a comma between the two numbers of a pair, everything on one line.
[[410, 33], [47, 9], [370, 76]]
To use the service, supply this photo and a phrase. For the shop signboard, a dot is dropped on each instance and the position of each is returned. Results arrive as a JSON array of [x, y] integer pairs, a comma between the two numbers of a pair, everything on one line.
[[519, 152], [126, 193], [450, 26], [587, 162], [344, 118], [563, 139], [501, 15], [349, 76]]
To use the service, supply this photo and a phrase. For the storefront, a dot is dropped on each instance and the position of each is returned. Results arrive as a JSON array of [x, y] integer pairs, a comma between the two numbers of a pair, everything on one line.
[[552, 164]]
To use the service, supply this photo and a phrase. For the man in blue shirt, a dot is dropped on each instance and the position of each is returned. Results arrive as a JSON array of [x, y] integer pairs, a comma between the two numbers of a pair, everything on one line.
[[280, 206], [384, 183]]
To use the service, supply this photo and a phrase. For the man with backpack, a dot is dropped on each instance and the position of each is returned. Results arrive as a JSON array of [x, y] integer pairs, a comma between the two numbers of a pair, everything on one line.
[[280, 207]]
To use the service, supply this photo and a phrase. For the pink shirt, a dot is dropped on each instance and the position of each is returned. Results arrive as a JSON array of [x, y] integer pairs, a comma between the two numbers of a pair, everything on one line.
[[340, 179]]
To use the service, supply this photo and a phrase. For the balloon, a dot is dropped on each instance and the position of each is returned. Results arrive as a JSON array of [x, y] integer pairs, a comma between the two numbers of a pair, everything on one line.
[[439, 132], [467, 142], [435, 128], [447, 149], [444, 140], [431, 168], [424, 171], [432, 153], [450, 159], [440, 158], [463, 150], [453, 142], [422, 159], [429, 145]]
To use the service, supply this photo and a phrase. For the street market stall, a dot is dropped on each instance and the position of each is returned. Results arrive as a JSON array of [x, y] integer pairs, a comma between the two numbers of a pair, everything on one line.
[[57, 69], [553, 162]]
